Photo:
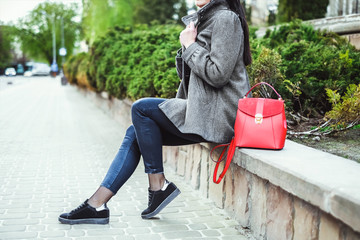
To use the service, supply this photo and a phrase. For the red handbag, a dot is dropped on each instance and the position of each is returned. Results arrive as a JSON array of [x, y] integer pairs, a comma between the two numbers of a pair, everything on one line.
[[260, 123]]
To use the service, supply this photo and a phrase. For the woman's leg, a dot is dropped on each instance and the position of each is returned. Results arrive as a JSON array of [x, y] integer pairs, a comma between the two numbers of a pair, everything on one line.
[[150, 131], [120, 170], [153, 130], [94, 210]]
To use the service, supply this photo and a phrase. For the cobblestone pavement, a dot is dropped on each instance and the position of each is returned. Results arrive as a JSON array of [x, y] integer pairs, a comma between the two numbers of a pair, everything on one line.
[[55, 148]]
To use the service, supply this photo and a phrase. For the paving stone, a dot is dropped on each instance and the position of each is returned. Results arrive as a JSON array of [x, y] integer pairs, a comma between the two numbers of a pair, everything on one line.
[[34, 228], [169, 228], [20, 222], [235, 237], [181, 234], [95, 238], [197, 226], [13, 216], [147, 236], [211, 233], [132, 231], [52, 234], [106, 232], [14, 228], [118, 225], [53, 227], [125, 238], [75, 233], [18, 235]]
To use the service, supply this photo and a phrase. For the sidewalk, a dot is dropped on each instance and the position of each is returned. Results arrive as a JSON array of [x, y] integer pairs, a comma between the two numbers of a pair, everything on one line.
[[55, 148]]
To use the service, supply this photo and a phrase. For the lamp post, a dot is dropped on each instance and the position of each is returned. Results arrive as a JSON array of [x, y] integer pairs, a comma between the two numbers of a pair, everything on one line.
[[62, 50], [54, 66]]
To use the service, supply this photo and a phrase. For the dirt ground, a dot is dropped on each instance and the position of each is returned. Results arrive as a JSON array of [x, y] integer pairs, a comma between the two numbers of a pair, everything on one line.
[[344, 143]]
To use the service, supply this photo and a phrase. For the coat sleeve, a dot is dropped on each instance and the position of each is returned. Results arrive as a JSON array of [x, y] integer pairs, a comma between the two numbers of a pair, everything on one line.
[[216, 65]]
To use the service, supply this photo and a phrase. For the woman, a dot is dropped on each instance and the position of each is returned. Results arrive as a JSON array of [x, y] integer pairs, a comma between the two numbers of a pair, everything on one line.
[[216, 50]]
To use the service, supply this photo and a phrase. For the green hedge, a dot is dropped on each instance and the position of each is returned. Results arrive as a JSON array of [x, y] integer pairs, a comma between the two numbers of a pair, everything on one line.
[[136, 62], [311, 61], [300, 62]]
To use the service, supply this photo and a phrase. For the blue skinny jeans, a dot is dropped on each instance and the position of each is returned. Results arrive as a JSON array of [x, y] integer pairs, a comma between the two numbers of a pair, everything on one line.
[[150, 131]]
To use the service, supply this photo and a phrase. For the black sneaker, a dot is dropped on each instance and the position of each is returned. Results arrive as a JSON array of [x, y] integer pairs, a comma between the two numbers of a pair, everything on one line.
[[158, 200], [86, 214]]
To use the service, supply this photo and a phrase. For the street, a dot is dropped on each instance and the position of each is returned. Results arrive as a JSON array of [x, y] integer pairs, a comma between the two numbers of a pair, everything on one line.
[[55, 148]]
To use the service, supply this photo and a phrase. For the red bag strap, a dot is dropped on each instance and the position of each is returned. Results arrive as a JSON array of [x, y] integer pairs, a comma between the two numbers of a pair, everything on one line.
[[229, 157], [260, 83]]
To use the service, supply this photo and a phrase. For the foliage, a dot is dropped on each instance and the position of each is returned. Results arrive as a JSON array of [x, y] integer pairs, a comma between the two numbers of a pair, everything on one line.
[[99, 16], [297, 60], [6, 38], [135, 61], [181, 10], [265, 69], [305, 10], [74, 65], [311, 61], [35, 31], [159, 10], [345, 109]]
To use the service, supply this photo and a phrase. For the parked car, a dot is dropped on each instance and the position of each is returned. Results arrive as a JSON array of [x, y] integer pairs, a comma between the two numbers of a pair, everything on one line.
[[10, 72], [37, 69]]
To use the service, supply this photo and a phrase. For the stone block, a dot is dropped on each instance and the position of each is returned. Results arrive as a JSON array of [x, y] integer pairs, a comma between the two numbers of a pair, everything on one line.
[[181, 162], [189, 162], [345, 208], [229, 189], [195, 179], [329, 228], [305, 221], [279, 214], [257, 206], [204, 172], [172, 156], [355, 40], [351, 235], [241, 195], [216, 191]]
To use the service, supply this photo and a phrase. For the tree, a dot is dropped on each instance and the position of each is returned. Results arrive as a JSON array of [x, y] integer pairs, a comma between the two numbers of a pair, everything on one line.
[[181, 10], [6, 39], [159, 10], [35, 30], [304, 10], [100, 15]]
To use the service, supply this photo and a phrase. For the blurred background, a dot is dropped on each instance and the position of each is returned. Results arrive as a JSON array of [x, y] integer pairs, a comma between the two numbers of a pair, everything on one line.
[[48, 32]]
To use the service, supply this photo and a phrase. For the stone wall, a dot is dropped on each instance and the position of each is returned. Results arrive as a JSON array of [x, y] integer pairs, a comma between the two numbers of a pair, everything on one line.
[[296, 193], [259, 205]]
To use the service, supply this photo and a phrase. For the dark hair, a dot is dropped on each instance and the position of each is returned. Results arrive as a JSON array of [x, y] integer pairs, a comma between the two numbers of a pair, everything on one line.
[[236, 7]]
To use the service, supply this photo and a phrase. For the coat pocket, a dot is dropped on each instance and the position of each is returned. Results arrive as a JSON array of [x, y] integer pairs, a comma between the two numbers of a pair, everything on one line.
[[205, 91]]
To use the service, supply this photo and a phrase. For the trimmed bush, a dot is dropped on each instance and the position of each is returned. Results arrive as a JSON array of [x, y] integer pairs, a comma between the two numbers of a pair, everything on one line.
[[136, 62], [299, 61], [311, 61]]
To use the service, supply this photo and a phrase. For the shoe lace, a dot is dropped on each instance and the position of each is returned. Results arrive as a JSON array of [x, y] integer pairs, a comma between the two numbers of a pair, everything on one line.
[[78, 208], [151, 196]]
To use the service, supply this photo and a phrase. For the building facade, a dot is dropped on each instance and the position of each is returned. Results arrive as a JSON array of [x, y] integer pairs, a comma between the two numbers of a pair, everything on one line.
[[343, 7]]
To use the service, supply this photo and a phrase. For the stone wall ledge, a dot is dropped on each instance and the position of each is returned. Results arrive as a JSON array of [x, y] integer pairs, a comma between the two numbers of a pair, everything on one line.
[[294, 193], [341, 25], [327, 181]]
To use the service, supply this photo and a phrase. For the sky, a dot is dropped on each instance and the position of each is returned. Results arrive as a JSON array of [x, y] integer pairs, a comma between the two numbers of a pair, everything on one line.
[[12, 10]]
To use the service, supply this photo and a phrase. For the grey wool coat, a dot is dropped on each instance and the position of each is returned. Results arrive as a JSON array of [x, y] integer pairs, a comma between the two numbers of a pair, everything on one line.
[[218, 78]]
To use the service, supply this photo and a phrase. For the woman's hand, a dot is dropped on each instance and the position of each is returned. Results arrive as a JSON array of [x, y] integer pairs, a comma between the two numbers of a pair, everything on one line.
[[188, 35]]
